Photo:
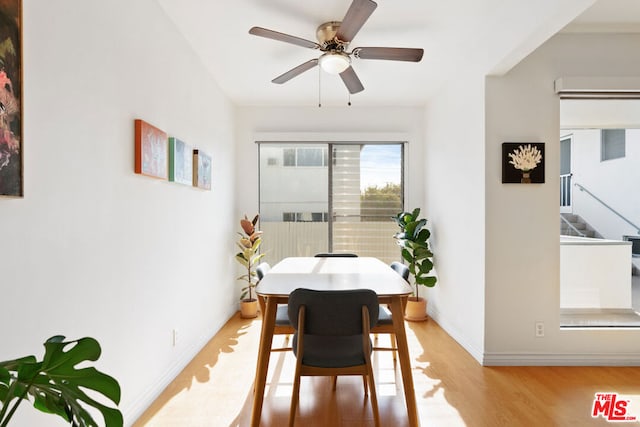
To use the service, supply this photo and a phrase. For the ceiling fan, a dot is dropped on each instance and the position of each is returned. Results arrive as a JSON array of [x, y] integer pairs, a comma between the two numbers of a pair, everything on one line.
[[333, 39]]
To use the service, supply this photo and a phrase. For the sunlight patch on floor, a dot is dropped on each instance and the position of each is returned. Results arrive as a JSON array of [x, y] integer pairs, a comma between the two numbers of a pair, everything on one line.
[[225, 377]]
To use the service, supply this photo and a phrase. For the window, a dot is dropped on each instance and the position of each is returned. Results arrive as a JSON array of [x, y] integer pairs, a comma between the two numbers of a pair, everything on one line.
[[612, 144], [289, 156], [337, 197], [309, 157], [304, 217], [305, 156]]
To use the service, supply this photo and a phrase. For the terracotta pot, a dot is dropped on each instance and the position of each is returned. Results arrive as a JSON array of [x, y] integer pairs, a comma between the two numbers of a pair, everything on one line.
[[416, 309], [249, 309]]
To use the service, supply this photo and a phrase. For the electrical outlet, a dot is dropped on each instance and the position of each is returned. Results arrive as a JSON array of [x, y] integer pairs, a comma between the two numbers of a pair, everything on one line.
[[539, 329], [174, 337]]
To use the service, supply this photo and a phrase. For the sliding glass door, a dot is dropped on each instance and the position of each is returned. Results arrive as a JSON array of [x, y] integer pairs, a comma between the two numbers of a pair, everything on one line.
[[320, 197]]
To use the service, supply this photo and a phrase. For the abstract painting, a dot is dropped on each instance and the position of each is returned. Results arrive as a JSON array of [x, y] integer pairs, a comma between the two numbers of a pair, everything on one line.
[[180, 162], [201, 170], [11, 162], [152, 153]]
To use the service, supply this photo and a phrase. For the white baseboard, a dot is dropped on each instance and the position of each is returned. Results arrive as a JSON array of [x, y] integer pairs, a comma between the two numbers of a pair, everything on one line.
[[557, 359], [532, 359], [456, 334], [135, 410]]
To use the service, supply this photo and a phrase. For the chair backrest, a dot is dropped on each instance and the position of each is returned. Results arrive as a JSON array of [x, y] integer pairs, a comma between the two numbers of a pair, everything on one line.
[[401, 269], [333, 313], [335, 255], [262, 269]]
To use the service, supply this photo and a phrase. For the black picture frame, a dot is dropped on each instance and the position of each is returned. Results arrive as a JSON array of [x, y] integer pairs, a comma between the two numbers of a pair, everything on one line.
[[513, 175]]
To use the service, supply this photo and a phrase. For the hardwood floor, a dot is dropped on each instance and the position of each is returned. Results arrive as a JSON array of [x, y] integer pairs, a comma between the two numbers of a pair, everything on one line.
[[451, 388]]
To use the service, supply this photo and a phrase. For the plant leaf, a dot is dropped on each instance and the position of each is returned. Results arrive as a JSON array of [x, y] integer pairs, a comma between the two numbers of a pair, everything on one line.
[[57, 386], [247, 226]]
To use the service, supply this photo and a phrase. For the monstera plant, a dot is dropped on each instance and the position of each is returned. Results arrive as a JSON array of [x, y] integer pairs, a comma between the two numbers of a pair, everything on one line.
[[56, 386], [249, 243], [413, 240]]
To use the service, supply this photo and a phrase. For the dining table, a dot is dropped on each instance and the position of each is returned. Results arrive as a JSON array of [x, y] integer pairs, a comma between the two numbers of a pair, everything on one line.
[[325, 274]]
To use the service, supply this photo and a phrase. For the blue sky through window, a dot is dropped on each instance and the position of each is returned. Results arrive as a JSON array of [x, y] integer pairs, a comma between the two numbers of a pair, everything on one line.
[[380, 164]]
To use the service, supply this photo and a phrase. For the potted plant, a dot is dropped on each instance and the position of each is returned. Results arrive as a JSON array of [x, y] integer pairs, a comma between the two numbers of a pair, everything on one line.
[[56, 386], [413, 239], [249, 257]]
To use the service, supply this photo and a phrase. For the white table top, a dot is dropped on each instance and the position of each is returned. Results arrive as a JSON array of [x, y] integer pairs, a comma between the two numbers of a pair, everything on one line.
[[332, 274]]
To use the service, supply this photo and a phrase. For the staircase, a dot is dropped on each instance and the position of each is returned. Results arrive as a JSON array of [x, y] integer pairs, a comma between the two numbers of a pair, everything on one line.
[[587, 231], [578, 224]]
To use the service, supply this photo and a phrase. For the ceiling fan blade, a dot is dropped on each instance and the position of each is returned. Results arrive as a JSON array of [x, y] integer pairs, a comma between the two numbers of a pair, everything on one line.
[[351, 81], [283, 78], [275, 35], [389, 53], [357, 15]]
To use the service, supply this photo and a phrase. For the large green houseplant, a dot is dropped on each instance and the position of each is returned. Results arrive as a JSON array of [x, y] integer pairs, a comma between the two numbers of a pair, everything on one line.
[[413, 239], [56, 386], [249, 243]]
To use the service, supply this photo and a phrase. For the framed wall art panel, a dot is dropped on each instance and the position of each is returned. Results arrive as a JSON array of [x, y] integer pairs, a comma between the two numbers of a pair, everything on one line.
[[523, 162], [11, 112], [201, 170], [152, 151], [180, 162]]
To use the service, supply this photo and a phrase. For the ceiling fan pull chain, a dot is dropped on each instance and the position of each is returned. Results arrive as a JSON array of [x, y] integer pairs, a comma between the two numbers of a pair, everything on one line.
[[349, 102], [319, 89]]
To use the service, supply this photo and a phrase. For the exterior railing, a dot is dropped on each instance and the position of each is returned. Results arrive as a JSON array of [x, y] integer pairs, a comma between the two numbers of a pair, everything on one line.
[[572, 227], [582, 188], [565, 190], [366, 238]]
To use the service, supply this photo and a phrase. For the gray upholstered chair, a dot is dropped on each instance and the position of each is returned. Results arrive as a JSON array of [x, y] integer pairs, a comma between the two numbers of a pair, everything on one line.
[[336, 255], [385, 322], [401, 269], [282, 327], [332, 337], [262, 269]]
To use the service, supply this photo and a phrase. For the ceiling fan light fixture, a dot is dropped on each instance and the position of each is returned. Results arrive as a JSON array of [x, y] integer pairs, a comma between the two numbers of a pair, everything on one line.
[[335, 62]]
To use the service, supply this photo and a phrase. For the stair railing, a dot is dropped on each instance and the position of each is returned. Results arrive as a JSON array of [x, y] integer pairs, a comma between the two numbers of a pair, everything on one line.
[[572, 227], [565, 189], [582, 188]]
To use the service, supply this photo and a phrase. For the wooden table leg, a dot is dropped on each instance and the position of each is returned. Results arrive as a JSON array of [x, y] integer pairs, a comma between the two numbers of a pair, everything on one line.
[[264, 352], [405, 360]]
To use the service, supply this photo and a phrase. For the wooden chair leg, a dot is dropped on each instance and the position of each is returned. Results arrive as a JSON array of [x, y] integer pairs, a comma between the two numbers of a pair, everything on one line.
[[294, 399], [334, 381], [374, 396], [394, 345]]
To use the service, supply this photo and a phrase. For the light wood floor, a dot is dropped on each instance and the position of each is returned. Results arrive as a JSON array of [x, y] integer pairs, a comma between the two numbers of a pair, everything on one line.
[[451, 388]]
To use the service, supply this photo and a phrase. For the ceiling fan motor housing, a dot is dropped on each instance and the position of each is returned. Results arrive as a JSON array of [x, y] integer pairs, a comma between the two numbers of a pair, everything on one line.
[[326, 35]]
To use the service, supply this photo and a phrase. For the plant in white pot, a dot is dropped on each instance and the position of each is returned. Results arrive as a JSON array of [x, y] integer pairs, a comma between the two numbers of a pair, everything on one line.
[[413, 240], [249, 243]]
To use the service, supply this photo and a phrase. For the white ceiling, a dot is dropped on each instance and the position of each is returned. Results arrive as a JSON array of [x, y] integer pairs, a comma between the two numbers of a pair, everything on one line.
[[487, 36]]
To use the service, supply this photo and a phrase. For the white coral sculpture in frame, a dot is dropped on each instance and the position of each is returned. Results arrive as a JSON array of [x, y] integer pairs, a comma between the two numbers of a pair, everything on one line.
[[525, 158]]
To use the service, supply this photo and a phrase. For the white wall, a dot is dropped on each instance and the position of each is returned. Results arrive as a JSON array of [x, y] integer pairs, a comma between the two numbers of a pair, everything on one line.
[[326, 124], [522, 221], [594, 273], [455, 205], [93, 249]]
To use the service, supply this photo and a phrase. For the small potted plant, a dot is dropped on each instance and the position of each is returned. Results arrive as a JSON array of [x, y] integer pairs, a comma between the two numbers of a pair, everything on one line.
[[413, 239], [249, 257]]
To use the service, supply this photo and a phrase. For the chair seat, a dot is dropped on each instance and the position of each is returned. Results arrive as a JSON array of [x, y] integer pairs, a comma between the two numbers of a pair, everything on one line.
[[384, 316], [320, 350], [282, 316]]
